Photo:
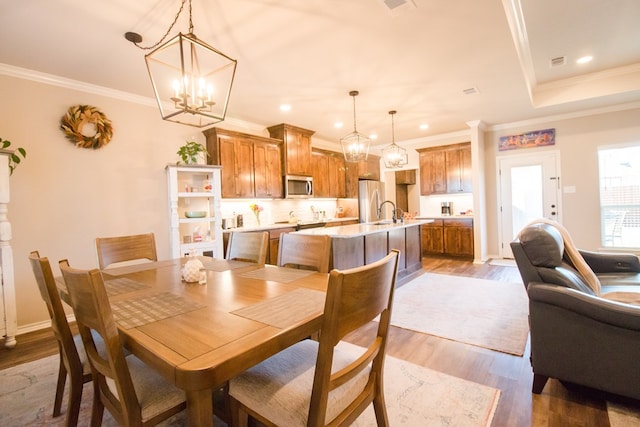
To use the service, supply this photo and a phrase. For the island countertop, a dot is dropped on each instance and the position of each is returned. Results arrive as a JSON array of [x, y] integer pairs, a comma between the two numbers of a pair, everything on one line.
[[362, 229]]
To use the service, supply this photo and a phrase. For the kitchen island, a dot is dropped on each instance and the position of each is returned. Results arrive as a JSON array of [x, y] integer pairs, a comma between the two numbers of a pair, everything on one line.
[[360, 244]]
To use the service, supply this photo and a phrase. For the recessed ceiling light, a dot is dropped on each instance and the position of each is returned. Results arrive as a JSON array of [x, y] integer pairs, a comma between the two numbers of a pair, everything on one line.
[[285, 107], [584, 59], [338, 125], [424, 126], [373, 136]]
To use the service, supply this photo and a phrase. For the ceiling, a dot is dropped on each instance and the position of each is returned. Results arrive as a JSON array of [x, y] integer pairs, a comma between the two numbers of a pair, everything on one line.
[[417, 58]]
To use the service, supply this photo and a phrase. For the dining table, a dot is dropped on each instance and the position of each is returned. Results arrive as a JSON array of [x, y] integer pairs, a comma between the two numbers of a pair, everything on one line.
[[200, 335]]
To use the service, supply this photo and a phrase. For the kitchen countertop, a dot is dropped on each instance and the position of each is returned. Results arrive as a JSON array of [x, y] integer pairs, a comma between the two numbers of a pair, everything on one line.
[[268, 227], [355, 230]]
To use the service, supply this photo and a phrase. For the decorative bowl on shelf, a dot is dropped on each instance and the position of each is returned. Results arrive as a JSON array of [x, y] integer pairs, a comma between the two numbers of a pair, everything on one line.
[[195, 214]]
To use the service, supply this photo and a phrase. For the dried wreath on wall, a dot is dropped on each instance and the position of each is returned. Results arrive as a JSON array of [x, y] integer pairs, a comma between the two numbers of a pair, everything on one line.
[[77, 117]]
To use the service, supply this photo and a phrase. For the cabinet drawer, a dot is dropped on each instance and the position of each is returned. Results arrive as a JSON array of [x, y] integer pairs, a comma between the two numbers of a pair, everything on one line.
[[462, 222]]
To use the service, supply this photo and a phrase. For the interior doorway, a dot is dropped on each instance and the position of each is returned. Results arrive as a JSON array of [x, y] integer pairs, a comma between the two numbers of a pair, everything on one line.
[[528, 188]]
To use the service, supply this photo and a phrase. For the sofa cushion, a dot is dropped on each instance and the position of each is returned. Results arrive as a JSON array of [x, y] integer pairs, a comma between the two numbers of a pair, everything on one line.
[[542, 244]]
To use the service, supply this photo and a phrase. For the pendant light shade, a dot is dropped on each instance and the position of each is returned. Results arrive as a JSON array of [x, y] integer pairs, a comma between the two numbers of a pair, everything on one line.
[[191, 80], [393, 155], [355, 146]]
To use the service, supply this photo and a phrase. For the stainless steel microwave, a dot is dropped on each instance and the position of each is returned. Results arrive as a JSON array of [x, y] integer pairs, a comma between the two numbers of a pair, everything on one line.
[[298, 187]]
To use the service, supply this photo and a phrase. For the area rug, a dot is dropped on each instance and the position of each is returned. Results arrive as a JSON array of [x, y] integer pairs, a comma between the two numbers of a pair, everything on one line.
[[484, 313], [415, 396]]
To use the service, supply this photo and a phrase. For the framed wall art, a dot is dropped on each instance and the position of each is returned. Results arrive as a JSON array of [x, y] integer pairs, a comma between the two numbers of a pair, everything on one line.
[[537, 138]]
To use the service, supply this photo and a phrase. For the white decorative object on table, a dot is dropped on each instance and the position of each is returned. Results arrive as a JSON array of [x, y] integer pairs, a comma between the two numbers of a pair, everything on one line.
[[193, 270]]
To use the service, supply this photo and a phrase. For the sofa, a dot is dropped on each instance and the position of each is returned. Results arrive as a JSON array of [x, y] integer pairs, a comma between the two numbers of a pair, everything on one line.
[[584, 311]]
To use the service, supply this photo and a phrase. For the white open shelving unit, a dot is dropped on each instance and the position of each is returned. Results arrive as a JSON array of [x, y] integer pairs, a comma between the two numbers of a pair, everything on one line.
[[195, 188]]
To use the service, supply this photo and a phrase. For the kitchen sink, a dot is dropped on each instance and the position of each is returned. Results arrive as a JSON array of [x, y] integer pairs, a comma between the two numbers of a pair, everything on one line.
[[382, 222]]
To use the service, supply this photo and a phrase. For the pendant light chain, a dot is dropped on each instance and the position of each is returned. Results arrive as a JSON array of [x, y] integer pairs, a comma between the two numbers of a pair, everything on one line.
[[170, 28]]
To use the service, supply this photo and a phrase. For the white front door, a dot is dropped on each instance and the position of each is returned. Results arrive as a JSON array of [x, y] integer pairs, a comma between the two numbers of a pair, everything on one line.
[[529, 188]]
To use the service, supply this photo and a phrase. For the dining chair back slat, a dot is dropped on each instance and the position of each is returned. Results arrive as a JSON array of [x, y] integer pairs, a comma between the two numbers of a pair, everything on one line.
[[113, 250], [305, 251], [248, 246]]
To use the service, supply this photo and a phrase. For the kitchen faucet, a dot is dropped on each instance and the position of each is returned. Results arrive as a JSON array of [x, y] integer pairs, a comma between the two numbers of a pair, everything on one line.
[[379, 211]]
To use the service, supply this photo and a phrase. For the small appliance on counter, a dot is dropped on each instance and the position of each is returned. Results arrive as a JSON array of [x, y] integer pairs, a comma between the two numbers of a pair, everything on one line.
[[228, 223], [446, 208]]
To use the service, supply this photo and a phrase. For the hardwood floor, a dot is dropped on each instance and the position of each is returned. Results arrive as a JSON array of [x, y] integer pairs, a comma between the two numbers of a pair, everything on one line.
[[557, 406]]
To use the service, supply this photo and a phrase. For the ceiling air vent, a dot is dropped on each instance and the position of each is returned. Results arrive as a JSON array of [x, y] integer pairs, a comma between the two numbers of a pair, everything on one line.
[[396, 6], [470, 91], [558, 61]]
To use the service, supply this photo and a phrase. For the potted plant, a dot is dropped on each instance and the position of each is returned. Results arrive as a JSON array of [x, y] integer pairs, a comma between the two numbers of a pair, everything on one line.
[[14, 158], [191, 151]]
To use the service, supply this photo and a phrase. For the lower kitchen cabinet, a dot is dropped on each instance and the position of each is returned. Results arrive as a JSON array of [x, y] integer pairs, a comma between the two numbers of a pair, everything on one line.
[[449, 236]]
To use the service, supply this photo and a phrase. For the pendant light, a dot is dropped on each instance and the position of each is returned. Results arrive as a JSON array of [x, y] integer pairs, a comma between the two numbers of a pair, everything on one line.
[[191, 80], [355, 146], [393, 155]]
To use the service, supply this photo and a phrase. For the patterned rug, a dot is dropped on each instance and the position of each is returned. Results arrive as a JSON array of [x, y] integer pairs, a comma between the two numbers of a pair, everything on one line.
[[484, 313], [415, 396]]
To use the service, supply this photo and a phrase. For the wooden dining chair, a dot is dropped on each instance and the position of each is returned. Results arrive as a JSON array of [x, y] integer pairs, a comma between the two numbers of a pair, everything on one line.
[[285, 390], [73, 359], [132, 392], [250, 246], [112, 250], [305, 251]]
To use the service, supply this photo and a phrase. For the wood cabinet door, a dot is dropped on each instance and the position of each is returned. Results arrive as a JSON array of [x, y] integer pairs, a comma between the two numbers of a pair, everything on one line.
[[337, 176], [268, 170], [406, 177], [231, 151], [452, 167], [370, 168], [465, 170], [433, 178], [458, 241], [320, 172], [244, 169], [351, 180], [432, 239], [298, 146]]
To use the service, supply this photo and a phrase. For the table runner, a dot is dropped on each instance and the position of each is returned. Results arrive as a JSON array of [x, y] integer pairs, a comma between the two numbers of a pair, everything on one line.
[[122, 285], [225, 265], [282, 275], [286, 309], [137, 312], [134, 268]]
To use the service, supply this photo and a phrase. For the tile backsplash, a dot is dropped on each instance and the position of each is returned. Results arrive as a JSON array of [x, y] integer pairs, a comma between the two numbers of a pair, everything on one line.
[[278, 210]]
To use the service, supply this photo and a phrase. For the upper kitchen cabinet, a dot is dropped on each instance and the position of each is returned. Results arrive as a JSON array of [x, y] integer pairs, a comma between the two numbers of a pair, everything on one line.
[[252, 165], [407, 177], [297, 148], [328, 171], [445, 169]]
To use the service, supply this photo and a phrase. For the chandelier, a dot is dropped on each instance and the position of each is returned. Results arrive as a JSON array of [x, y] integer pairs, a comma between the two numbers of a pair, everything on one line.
[[393, 155], [191, 80], [355, 146]]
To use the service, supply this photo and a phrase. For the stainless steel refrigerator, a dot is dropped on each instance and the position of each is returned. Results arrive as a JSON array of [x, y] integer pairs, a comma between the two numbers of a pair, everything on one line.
[[370, 195]]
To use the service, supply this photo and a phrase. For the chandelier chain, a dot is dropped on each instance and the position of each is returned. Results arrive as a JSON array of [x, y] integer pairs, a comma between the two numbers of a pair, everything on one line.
[[170, 28], [354, 114]]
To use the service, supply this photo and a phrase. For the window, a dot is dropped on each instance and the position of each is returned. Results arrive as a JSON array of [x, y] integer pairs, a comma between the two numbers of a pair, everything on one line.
[[620, 197]]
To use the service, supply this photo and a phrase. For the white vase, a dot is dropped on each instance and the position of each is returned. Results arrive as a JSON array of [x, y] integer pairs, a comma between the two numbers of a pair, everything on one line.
[[192, 271]]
